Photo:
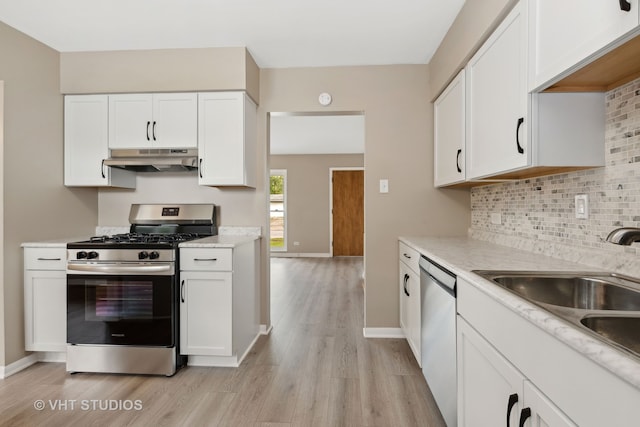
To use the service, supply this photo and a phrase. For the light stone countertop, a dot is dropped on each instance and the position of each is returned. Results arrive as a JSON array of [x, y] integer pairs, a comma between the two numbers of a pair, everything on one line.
[[461, 255], [221, 241], [54, 243]]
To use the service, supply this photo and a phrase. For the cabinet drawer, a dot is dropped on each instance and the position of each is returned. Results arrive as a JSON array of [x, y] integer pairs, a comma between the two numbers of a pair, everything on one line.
[[206, 259], [409, 256], [45, 258]]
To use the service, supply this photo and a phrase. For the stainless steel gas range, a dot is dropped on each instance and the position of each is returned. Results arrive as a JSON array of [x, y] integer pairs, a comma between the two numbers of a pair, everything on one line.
[[122, 292]]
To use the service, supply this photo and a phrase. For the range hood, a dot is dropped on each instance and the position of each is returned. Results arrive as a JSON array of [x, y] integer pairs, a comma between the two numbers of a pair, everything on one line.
[[155, 160]]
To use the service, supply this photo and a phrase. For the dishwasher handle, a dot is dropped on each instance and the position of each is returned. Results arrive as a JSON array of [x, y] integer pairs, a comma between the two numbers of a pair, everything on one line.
[[440, 275]]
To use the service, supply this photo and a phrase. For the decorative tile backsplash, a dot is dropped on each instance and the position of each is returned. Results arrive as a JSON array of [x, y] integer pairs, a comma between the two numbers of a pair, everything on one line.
[[538, 214]]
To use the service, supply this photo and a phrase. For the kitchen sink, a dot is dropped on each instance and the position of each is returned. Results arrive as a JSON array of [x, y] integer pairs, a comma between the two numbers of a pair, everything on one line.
[[572, 291], [621, 330], [605, 305]]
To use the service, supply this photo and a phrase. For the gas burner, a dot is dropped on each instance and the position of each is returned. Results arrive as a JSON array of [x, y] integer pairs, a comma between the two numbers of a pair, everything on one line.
[[161, 238]]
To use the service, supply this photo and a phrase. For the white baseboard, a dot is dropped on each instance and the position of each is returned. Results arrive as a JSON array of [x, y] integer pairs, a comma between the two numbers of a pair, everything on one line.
[[299, 255], [265, 330], [18, 365], [52, 356], [383, 333]]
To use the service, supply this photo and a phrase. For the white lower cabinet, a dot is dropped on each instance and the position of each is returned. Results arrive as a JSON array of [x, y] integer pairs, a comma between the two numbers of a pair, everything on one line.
[[409, 281], [501, 354], [492, 390], [45, 299], [219, 303], [205, 313]]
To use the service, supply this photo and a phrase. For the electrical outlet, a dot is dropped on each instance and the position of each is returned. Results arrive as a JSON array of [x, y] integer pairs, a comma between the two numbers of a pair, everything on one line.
[[296, 243], [582, 206], [496, 218]]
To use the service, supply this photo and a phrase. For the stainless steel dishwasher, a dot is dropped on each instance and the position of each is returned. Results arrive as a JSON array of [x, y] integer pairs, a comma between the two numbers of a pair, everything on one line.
[[438, 340]]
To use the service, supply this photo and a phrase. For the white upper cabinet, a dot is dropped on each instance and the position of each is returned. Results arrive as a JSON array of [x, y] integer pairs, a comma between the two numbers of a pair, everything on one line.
[[564, 33], [514, 134], [86, 144], [159, 120], [497, 100], [449, 133], [227, 123]]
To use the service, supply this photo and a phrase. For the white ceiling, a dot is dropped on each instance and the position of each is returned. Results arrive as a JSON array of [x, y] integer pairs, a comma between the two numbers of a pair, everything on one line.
[[316, 134], [278, 33]]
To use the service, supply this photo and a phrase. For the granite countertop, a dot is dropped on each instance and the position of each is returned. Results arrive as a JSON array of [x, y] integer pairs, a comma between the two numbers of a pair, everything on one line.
[[461, 255], [223, 241]]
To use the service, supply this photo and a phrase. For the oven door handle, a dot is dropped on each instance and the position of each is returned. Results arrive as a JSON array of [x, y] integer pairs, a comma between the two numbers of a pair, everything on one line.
[[120, 269]]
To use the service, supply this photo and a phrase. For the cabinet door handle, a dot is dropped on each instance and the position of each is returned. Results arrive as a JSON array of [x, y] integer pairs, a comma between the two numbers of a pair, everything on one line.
[[205, 259], [520, 122], [513, 399], [524, 414], [148, 124], [182, 291], [625, 5], [102, 169], [406, 256], [406, 279], [49, 259], [458, 160], [153, 131], [200, 168]]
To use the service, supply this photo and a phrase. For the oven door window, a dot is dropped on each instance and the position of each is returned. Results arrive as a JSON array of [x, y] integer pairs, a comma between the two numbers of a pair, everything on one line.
[[123, 310], [112, 302]]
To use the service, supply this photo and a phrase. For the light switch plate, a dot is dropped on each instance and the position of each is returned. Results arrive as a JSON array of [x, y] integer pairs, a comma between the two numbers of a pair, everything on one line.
[[582, 206], [384, 185]]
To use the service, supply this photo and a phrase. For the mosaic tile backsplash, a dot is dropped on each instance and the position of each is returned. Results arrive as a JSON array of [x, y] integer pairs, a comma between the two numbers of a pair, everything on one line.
[[538, 214]]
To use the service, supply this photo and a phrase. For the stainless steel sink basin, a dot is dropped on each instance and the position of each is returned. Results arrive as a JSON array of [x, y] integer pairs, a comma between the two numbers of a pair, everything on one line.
[[624, 331], [605, 305], [574, 292]]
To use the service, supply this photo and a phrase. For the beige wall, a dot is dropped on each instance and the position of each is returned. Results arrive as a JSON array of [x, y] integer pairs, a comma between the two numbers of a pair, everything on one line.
[[36, 205], [474, 23], [228, 68], [398, 147], [308, 197]]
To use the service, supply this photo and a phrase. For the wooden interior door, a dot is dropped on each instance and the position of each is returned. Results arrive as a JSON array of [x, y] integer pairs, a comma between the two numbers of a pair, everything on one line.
[[348, 213]]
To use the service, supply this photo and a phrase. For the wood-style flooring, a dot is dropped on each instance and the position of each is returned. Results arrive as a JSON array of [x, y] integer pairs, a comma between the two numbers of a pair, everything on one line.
[[314, 369]]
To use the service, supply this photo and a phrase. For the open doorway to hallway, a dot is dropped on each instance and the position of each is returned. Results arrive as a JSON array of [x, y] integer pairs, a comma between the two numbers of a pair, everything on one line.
[[308, 146]]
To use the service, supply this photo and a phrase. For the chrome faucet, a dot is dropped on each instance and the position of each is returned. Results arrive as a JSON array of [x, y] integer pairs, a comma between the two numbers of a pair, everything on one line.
[[624, 236]]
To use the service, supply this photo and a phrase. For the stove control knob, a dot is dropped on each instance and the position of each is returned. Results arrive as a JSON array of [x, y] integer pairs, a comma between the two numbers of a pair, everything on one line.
[[154, 255], [143, 255], [81, 255], [92, 255]]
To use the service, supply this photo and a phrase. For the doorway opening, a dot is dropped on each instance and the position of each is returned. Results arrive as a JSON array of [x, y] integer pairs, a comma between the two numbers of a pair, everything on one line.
[[307, 146]]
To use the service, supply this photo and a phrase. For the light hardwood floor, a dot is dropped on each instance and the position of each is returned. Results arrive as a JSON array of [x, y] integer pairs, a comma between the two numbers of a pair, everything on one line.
[[315, 369]]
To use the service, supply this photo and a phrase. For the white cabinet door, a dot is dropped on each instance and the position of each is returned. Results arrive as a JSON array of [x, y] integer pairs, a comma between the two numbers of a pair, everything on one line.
[[492, 392], [130, 121], [86, 142], [488, 385], [410, 320], [206, 313], [175, 120], [563, 33], [497, 101], [449, 133], [227, 139], [45, 294], [160, 120]]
